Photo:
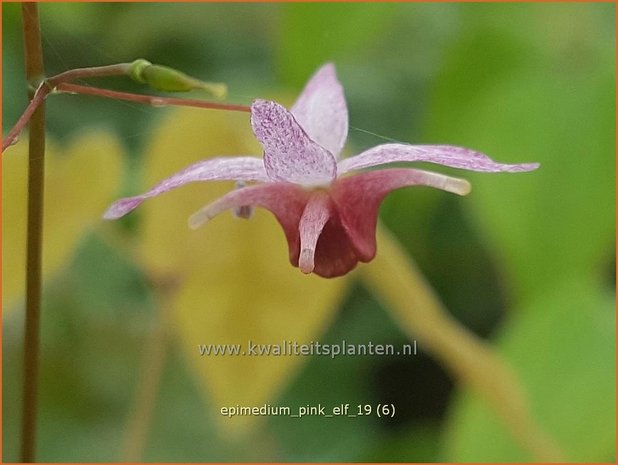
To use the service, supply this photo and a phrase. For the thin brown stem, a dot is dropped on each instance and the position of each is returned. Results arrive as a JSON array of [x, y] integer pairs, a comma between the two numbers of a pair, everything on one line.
[[34, 241], [120, 69], [48, 87], [39, 97], [148, 99], [61, 83]]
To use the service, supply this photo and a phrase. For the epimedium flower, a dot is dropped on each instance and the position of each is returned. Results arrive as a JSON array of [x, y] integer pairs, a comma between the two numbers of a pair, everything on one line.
[[327, 210]]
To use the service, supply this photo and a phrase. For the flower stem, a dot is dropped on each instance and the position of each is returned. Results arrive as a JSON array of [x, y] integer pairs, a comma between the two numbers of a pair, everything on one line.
[[148, 99], [60, 83], [38, 98], [120, 69], [34, 245], [46, 86], [398, 282]]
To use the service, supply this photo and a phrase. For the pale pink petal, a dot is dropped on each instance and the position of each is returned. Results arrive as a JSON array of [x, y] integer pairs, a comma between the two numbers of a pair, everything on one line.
[[448, 155], [322, 111], [285, 200], [358, 199], [325, 248], [335, 255], [317, 212], [289, 154], [213, 169]]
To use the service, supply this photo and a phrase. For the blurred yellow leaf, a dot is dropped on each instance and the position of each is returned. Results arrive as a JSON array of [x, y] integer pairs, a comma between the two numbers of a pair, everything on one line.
[[237, 284], [80, 181]]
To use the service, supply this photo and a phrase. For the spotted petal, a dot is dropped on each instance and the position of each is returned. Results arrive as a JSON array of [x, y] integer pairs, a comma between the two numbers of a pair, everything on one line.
[[213, 169], [289, 153], [447, 155], [322, 111]]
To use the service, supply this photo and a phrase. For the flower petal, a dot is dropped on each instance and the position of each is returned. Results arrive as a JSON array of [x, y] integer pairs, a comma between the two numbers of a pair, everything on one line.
[[289, 154], [325, 248], [322, 111], [335, 255], [315, 216], [448, 155], [214, 169], [284, 200], [357, 199]]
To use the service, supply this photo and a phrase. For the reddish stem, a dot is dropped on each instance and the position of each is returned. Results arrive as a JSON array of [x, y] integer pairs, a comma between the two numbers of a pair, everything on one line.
[[57, 84], [120, 69], [39, 97], [148, 99]]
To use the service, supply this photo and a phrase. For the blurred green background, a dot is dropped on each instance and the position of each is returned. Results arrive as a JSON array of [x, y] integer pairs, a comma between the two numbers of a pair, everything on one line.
[[526, 261]]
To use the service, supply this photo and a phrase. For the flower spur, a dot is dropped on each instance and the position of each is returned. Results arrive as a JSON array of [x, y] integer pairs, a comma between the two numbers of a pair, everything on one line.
[[329, 217]]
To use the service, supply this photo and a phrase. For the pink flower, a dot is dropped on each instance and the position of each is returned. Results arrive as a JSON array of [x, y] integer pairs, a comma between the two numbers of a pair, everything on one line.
[[329, 217]]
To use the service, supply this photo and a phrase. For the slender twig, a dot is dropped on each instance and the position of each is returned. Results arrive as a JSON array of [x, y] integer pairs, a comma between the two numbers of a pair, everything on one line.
[[39, 97], [398, 282], [36, 156], [46, 86], [148, 99], [120, 69], [59, 84]]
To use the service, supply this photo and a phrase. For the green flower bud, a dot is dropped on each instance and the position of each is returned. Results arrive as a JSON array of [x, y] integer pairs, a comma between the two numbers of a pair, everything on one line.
[[171, 80], [137, 69]]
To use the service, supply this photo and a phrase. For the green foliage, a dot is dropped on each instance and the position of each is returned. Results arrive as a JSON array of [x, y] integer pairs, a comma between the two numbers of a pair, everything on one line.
[[563, 347], [527, 102], [313, 34], [549, 97]]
